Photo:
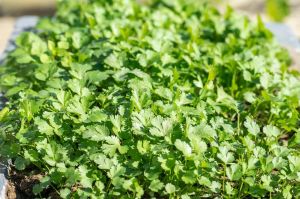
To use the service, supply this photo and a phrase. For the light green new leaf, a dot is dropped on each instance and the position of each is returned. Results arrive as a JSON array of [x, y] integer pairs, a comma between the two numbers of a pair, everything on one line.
[[156, 185], [183, 147]]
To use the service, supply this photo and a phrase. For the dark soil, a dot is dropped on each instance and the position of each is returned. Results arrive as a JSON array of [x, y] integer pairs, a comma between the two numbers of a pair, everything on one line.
[[21, 183]]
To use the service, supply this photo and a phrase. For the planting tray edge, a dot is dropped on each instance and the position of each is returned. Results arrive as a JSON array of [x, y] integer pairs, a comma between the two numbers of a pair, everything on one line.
[[22, 24]]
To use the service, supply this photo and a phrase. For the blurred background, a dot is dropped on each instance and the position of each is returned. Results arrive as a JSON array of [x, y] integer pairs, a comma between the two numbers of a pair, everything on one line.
[[280, 11], [11, 9], [283, 11]]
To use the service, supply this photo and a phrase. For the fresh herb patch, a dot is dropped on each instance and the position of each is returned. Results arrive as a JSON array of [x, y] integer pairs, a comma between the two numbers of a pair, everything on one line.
[[115, 99]]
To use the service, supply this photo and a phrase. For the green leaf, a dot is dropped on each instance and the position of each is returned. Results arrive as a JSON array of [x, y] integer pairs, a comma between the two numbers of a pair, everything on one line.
[[252, 126], [63, 45], [113, 143], [116, 171], [97, 115], [266, 183], [265, 80], [65, 193], [96, 133], [102, 161], [45, 59], [286, 192], [170, 188], [44, 127], [3, 113], [20, 163], [250, 97], [271, 131], [204, 181], [96, 77], [156, 185], [226, 99], [183, 147], [44, 183], [215, 186], [113, 61], [38, 47], [189, 177], [234, 172], [164, 93], [229, 189], [143, 146], [224, 155], [76, 39], [161, 127]]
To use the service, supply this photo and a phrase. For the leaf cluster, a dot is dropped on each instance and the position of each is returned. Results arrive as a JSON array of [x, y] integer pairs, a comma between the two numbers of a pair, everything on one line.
[[169, 99]]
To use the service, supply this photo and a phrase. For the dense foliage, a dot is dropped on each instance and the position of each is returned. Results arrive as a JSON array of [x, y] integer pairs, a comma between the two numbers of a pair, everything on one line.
[[165, 99]]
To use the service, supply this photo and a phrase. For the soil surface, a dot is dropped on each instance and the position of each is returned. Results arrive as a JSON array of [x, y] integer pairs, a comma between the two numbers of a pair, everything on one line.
[[21, 183]]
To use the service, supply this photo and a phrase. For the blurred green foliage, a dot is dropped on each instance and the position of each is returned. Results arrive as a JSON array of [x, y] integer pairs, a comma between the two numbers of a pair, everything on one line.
[[277, 9]]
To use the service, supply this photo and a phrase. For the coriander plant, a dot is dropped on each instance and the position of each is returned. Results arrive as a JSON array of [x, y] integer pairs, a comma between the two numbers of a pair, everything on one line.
[[157, 99]]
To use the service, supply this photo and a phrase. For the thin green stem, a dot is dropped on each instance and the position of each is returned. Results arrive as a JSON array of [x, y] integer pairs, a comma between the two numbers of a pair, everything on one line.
[[224, 176]]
